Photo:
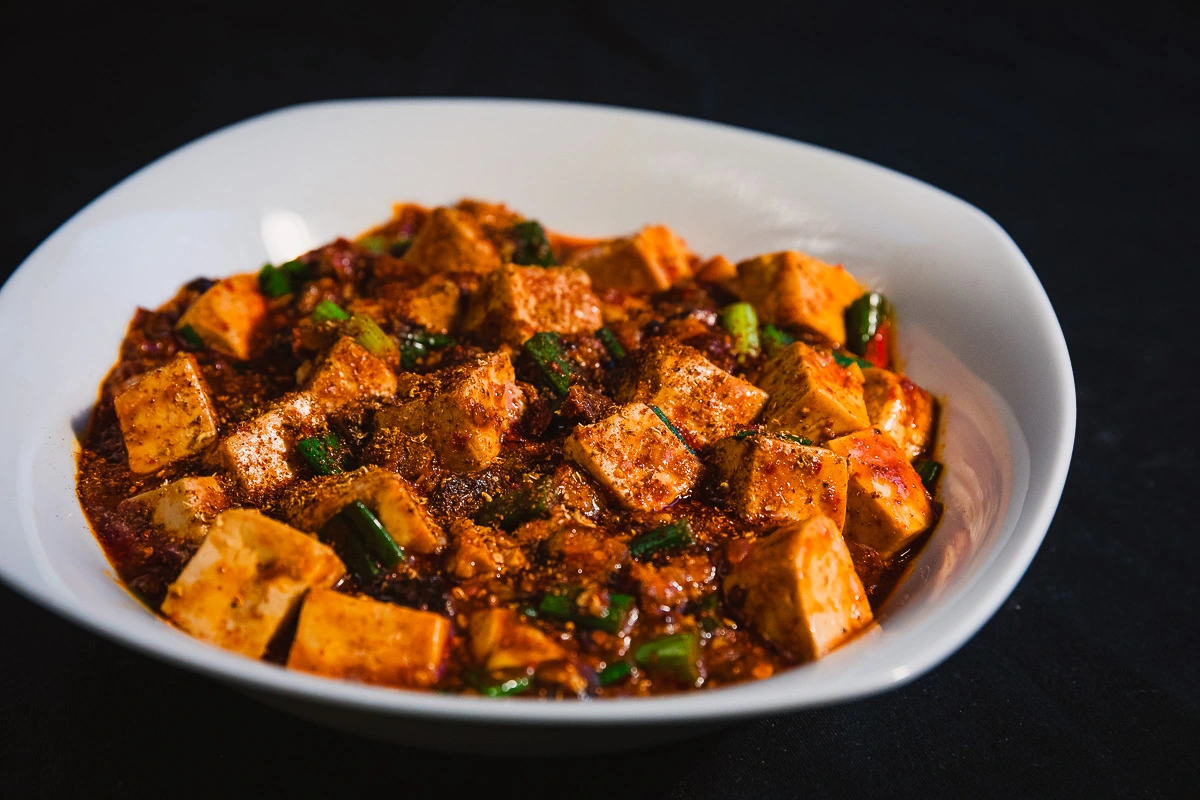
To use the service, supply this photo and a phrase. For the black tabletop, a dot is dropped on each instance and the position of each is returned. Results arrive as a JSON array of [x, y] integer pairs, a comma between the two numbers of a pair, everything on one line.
[[1075, 129]]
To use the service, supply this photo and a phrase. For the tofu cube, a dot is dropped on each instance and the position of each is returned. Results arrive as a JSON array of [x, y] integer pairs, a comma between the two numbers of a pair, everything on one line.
[[165, 415], [811, 395], [513, 303], [899, 408], [361, 639], [792, 288], [702, 400], [652, 260], [887, 506], [477, 551], [310, 505], [634, 455], [451, 241], [246, 580], [463, 412], [499, 640], [798, 588], [434, 304], [261, 453], [181, 509], [228, 316], [766, 478], [348, 373]]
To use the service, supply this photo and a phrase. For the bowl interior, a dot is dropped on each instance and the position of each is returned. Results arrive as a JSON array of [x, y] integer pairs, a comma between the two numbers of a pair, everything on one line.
[[976, 330]]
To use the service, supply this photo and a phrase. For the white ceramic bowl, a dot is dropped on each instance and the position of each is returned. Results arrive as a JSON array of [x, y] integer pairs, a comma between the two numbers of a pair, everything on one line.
[[976, 329]]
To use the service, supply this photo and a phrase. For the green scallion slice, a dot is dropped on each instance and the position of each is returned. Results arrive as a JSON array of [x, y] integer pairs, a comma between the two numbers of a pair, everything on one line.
[[741, 322], [321, 453], [530, 245], [614, 672], [845, 360], [929, 471], [658, 412], [609, 340], [677, 654], [672, 536], [546, 351], [190, 337], [370, 530], [328, 310], [368, 334], [773, 339], [273, 282]]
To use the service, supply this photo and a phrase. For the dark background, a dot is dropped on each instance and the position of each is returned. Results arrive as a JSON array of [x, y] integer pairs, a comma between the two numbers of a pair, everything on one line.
[[1076, 129]]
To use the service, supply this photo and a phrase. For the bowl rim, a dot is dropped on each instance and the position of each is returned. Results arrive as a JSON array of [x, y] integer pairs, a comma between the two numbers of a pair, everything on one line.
[[993, 582]]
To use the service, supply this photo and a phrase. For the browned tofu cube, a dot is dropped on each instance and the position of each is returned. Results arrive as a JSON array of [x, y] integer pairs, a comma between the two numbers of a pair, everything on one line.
[[888, 507], [246, 580], [651, 260], [499, 640], [361, 639], [634, 455], [477, 551], [513, 303], [434, 304], [463, 412], [181, 509], [347, 374], [767, 478], [451, 241], [261, 453], [702, 400], [811, 395], [899, 408], [792, 288], [717, 269], [165, 415], [798, 588], [228, 316], [310, 505]]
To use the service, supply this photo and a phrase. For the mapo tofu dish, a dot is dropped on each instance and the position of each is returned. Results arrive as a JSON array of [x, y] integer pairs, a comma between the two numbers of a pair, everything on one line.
[[466, 454]]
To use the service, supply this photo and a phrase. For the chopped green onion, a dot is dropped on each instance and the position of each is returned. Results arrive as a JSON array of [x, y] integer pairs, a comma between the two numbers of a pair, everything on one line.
[[373, 244], [328, 310], [189, 335], [658, 412], [507, 688], [845, 361], [372, 533], [614, 672], [788, 437], [672, 536], [320, 453], [929, 471], [677, 654], [863, 318], [742, 323], [368, 334], [546, 351], [294, 269], [562, 606], [350, 548], [791, 437], [609, 340], [773, 339], [273, 282], [517, 507], [416, 345], [531, 246]]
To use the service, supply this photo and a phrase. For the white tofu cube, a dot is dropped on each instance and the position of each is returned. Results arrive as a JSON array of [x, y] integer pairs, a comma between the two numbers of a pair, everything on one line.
[[798, 588], [348, 374], [181, 509], [261, 453], [888, 506], [702, 400], [246, 580], [636, 457], [165, 415], [499, 640], [451, 241], [652, 260], [792, 288], [766, 478], [811, 395], [361, 639], [229, 316], [310, 505], [899, 408], [513, 303]]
